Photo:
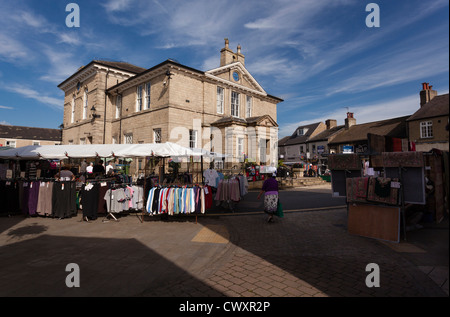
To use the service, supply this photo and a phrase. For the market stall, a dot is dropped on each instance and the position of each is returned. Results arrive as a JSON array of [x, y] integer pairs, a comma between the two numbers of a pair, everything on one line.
[[380, 192], [92, 191]]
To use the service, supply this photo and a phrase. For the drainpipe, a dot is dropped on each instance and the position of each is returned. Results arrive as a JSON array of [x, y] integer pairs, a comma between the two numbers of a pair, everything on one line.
[[104, 115]]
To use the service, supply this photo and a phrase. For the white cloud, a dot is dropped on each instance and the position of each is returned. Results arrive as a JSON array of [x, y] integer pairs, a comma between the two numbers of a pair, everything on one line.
[[56, 103], [403, 106], [4, 123], [5, 107], [404, 64], [62, 65], [11, 49]]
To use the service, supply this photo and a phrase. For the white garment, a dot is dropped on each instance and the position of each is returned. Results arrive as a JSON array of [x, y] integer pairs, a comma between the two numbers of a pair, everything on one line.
[[211, 177], [108, 168]]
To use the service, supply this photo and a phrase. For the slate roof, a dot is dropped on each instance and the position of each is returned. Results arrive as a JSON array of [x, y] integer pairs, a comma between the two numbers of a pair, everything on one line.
[[118, 65], [298, 139], [436, 107], [324, 135], [122, 66], [395, 127], [282, 141], [29, 133]]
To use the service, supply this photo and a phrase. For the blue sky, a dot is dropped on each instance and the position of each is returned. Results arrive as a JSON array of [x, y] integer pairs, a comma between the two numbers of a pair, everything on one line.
[[319, 56]]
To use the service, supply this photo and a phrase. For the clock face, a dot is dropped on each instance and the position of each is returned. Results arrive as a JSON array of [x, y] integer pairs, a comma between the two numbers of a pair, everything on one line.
[[235, 76]]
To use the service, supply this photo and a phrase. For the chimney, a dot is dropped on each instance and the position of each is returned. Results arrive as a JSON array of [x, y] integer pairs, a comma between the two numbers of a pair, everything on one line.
[[349, 121], [227, 56], [239, 56], [426, 94], [331, 123]]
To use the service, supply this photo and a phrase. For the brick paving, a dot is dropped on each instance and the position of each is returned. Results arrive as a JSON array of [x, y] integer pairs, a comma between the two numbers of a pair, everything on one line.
[[305, 254]]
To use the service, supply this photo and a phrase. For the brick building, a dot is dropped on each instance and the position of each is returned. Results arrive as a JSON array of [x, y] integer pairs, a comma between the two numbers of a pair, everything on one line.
[[17, 136], [223, 110], [428, 126]]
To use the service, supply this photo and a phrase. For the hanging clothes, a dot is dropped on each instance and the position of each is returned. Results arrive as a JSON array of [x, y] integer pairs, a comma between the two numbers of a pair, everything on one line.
[[64, 199], [177, 200], [211, 177], [44, 205], [228, 189], [115, 200], [89, 195]]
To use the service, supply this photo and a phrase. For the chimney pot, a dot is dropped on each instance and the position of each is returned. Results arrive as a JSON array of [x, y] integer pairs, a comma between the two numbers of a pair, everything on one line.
[[349, 121], [426, 94]]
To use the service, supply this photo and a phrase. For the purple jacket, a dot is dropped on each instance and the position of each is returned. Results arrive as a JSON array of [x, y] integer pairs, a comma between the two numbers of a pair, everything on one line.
[[270, 185]]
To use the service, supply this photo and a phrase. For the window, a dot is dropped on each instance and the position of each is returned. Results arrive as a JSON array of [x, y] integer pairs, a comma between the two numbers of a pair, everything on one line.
[[70, 142], [426, 129], [128, 138], [139, 98], [11, 143], [263, 145], [72, 117], [248, 108], [302, 131], [157, 135], [220, 100], [147, 96], [85, 103], [118, 106], [234, 104], [82, 140], [192, 138], [36, 143], [240, 148], [218, 165]]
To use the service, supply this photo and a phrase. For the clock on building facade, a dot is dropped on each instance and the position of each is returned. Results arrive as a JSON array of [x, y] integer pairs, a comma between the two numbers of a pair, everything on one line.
[[236, 76]]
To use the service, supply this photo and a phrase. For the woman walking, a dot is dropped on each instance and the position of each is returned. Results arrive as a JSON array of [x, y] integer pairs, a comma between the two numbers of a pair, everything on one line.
[[270, 190]]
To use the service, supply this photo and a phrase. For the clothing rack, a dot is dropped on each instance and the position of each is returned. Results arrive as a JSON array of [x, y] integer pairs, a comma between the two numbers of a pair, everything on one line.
[[199, 201]]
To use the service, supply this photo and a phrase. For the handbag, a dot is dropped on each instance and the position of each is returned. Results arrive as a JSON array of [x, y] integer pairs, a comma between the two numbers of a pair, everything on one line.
[[279, 212]]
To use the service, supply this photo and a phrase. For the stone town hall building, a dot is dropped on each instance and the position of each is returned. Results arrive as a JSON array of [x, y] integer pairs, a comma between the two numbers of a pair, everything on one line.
[[222, 110]]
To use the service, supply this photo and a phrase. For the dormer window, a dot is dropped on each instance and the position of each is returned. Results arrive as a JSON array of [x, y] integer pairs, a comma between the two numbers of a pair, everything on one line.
[[301, 131]]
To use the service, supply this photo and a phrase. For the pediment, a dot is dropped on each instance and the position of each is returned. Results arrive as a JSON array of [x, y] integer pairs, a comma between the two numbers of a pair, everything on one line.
[[262, 121], [245, 80]]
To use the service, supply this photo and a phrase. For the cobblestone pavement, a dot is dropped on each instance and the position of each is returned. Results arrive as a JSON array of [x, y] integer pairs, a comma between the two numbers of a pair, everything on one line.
[[304, 254]]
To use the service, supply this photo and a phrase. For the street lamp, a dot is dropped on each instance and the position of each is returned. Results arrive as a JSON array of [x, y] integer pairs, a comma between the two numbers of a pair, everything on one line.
[[94, 115]]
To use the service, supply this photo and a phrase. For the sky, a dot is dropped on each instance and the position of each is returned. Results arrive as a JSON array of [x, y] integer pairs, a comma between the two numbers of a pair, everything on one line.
[[319, 56]]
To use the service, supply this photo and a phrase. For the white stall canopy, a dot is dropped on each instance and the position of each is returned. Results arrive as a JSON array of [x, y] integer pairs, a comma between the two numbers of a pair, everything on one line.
[[60, 152]]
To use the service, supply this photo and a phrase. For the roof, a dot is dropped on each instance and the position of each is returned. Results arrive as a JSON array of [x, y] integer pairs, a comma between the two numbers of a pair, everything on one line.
[[29, 133], [436, 107], [166, 62], [298, 139], [250, 121], [282, 141], [124, 66], [229, 119], [395, 127], [326, 134]]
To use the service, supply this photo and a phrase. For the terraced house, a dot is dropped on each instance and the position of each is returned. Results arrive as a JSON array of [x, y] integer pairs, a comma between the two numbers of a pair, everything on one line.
[[223, 110]]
